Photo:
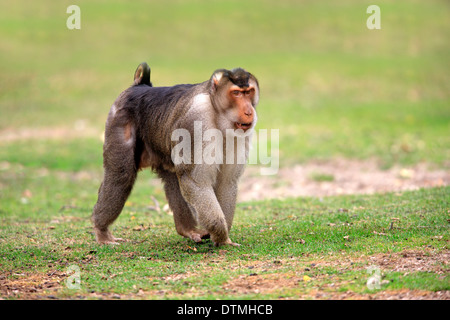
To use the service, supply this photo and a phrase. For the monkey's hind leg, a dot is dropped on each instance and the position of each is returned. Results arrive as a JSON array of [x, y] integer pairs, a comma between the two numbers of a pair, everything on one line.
[[119, 177], [112, 195], [185, 221]]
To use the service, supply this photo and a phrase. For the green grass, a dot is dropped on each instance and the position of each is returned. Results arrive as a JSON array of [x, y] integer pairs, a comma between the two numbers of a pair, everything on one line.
[[332, 87], [51, 231]]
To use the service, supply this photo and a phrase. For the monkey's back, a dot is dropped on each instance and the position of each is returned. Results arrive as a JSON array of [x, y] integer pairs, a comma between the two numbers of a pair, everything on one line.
[[154, 110], [158, 107]]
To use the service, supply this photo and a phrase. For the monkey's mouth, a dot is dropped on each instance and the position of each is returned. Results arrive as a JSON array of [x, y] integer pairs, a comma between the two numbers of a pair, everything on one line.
[[243, 126]]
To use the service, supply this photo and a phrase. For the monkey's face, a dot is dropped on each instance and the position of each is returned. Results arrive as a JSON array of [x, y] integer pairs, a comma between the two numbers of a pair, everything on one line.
[[237, 93], [243, 111]]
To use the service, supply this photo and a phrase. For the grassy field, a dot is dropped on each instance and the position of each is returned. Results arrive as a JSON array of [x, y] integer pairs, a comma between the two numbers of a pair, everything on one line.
[[297, 248], [332, 87]]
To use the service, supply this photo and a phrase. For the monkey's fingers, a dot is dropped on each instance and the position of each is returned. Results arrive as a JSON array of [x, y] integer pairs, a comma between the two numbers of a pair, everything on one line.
[[114, 241], [105, 237], [195, 237], [109, 242]]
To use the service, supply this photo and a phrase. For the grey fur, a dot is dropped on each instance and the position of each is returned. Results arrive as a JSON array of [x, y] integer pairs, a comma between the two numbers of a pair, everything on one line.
[[138, 134]]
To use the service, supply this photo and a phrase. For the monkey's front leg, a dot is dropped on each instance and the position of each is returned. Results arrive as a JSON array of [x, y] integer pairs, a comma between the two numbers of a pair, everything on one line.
[[202, 199], [185, 221], [226, 190]]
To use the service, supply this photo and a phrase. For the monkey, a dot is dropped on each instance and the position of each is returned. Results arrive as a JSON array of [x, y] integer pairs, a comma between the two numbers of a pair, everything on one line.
[[138, 135]]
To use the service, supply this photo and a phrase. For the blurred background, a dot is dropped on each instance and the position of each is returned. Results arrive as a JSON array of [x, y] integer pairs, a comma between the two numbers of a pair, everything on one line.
[[333, 88]]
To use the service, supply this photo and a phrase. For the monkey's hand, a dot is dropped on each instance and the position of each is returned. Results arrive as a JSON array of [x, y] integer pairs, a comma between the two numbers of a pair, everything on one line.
[[228, 242], [197, 235]]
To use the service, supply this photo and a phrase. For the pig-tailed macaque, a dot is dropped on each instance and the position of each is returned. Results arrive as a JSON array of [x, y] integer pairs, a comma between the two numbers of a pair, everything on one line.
[[139, 134]]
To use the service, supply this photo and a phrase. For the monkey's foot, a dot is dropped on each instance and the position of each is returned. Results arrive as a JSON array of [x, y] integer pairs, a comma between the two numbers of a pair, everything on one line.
[[228, 242], [105, 237]]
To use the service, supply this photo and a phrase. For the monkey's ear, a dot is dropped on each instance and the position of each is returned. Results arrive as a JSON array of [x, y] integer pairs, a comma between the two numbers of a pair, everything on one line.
[[217, 76], [142, 75]]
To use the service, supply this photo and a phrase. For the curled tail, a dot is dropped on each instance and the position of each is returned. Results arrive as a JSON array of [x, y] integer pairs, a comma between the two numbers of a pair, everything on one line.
[[142, 75]]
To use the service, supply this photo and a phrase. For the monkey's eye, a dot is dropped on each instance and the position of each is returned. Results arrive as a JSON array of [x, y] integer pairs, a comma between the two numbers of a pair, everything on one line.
[[236, 93], [249, 92]]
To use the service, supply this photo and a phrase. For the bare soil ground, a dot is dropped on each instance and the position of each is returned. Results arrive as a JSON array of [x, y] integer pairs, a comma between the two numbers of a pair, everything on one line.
[[338, 177]]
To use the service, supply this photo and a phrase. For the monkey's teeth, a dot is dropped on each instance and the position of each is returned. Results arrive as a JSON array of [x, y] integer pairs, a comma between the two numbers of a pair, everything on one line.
[[243, 126]]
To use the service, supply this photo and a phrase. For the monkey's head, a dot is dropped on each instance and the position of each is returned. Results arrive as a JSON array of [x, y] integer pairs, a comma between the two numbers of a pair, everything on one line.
[[235, 93]]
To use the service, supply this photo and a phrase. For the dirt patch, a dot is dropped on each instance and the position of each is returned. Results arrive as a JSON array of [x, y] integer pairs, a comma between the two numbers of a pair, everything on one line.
[[31, 286], [279, 283], [404, 294], [405, 261], [338, 177], [261, 283], [412, 261], [325, 286], [80, 129]]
